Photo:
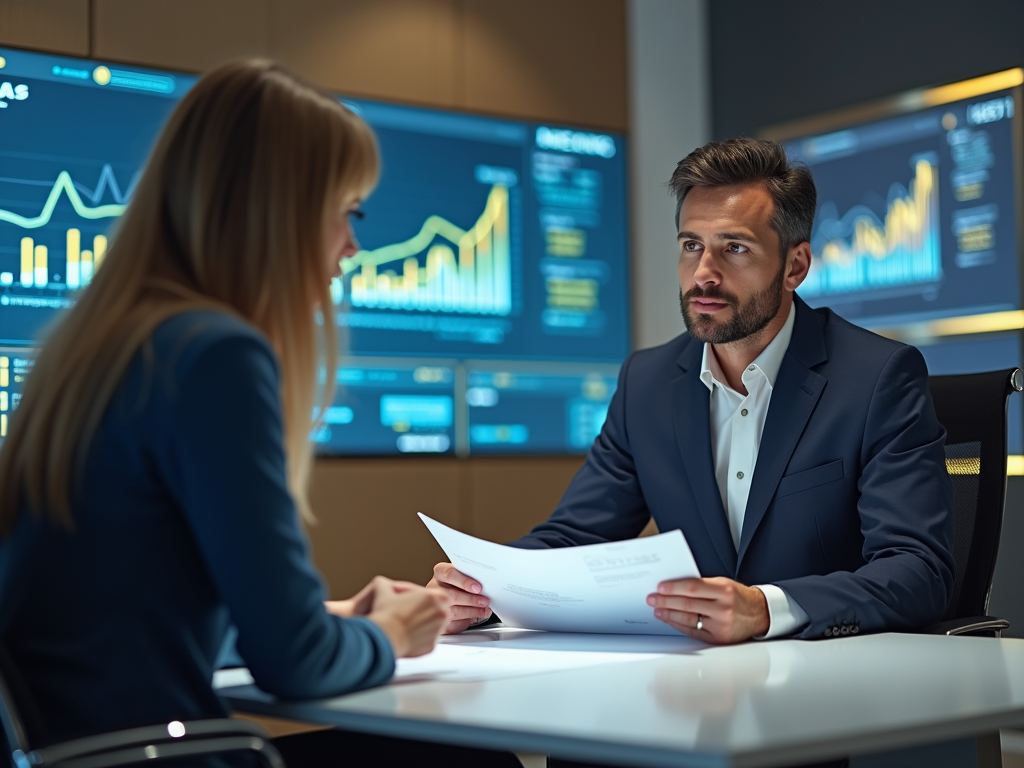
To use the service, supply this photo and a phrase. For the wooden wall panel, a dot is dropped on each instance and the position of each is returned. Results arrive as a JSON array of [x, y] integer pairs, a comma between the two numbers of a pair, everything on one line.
[[52, 25], [558, 60], [367, 523], [509, 496], [180, 34], [398, 49]]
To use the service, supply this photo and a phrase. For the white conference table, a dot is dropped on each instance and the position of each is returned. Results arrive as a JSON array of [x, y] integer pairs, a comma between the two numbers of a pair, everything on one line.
[[676, 702]]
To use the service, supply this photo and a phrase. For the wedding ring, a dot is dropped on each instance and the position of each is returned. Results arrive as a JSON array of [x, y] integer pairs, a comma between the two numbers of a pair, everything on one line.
[[700, 622]]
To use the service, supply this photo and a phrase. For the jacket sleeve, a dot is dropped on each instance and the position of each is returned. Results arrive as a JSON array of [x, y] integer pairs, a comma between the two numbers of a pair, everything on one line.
[[604, 501], [906, 517], [224, 461]]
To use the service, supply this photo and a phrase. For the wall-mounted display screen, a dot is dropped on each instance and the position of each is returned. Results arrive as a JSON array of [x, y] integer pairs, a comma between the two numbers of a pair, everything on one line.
[[74, 136], [488, 240], [918, 204], [15, 364]]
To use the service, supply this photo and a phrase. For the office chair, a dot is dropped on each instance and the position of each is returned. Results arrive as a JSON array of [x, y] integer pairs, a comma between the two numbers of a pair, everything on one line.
[[972, 407], [135, 745]]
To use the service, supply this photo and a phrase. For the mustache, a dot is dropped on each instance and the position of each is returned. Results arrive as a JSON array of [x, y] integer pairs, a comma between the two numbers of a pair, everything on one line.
[[711, 292]]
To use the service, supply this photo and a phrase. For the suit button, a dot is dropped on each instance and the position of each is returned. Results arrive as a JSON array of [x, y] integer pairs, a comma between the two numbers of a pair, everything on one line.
[[854, 629], [835, 631], [845, 630], [828, 631]]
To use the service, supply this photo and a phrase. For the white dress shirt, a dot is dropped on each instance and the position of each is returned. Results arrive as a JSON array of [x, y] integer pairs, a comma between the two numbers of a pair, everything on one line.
[[737, 422]]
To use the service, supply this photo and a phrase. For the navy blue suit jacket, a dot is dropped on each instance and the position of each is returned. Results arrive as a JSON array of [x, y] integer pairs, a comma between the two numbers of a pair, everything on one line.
[[850, 508]]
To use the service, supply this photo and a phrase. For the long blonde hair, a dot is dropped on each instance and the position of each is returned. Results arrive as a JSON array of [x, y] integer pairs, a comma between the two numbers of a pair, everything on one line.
[[229, 214]]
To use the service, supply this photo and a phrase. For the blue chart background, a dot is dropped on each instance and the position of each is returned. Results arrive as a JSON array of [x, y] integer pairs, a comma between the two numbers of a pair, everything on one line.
[[64, 127], [864, 177], [430, 174]]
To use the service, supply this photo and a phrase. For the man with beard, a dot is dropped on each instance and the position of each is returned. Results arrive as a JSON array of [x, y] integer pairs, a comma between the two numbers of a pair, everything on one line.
[[800, 455]]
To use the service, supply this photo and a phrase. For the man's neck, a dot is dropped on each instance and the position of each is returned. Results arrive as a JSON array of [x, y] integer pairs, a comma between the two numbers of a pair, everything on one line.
[[734, 357]]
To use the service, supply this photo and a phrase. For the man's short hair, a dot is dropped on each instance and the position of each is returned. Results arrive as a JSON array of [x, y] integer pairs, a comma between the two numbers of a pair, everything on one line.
[[753, 161]]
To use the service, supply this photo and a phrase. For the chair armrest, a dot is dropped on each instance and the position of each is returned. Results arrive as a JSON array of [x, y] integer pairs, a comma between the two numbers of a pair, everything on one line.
[[969, 625], [156, 742]]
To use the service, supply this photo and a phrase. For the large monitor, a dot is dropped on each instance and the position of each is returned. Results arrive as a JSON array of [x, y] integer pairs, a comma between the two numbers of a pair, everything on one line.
[[919, 202], [486, 312]]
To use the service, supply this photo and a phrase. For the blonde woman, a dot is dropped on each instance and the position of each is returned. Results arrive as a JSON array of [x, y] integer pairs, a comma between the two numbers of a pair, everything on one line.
[[152, 479]]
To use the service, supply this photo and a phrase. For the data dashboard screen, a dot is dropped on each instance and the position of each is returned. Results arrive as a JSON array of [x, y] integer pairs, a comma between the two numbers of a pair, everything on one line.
[[491, 247], [918, 211]]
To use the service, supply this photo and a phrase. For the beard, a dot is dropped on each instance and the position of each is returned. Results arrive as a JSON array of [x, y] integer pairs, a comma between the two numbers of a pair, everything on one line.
[[748, 317]]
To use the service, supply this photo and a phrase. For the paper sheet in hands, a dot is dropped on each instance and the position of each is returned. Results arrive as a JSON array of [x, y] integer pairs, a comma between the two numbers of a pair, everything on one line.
[[592, 588]]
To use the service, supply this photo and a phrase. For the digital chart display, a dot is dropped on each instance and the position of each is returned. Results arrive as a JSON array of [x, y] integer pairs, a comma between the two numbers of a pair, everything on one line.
[[74, 136], [489, 244], [917, 213], [489, 238]]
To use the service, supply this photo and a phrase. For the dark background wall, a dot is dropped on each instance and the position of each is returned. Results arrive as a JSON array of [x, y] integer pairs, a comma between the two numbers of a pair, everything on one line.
[[780, 61], [777, 61]]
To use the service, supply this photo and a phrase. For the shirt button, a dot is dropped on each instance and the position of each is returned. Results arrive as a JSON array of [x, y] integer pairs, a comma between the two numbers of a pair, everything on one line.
[[750, 368], [743, 412], [739, 475]]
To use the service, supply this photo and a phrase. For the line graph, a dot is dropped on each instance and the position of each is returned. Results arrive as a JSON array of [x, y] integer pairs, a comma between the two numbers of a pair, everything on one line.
[[859, 251], [38, 269], [477, 280], [65, 185]]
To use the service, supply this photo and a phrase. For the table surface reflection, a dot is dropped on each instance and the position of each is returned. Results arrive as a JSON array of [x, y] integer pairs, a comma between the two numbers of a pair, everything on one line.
[[689, 704]]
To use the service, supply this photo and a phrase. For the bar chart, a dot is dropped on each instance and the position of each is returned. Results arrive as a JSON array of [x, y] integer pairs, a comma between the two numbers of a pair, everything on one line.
[[443, 268], [39, 262], [861, 251]]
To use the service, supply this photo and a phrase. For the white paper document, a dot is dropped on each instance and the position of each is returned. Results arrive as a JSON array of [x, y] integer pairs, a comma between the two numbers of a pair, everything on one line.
[[593, 588]]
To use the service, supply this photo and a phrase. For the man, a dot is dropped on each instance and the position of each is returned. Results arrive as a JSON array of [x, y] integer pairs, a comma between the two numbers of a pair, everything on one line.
[[800, 455]]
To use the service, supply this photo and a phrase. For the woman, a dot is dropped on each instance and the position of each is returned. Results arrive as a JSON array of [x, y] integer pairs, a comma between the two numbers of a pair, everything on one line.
[[152, 474]]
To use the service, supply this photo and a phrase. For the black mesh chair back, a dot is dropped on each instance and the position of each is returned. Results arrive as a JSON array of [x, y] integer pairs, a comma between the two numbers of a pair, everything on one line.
[[973, 407]]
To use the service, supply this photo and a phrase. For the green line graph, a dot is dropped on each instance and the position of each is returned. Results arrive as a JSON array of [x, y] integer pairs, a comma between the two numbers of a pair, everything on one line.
[[67, 186]]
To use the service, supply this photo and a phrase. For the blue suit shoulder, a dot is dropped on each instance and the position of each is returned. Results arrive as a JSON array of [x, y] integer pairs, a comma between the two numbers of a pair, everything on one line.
[[180, 342]]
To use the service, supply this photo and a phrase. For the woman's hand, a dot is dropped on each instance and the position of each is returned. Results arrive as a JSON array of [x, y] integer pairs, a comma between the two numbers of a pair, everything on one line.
[[411, 616], [361, 603]]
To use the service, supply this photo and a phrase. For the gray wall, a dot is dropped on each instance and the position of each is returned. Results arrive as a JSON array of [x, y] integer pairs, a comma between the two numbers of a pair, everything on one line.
[[669, 115], [779, 61]]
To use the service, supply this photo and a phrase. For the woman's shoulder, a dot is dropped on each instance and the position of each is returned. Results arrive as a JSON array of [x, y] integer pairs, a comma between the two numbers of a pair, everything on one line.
[[202, 336]]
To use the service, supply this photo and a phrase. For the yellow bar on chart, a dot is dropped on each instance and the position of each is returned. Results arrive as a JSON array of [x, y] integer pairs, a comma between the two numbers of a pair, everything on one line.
[[72, 271], [5, 372], [85, 267], [3, 401], [26, 262], [42, 270], [3, 425], [99, 250]]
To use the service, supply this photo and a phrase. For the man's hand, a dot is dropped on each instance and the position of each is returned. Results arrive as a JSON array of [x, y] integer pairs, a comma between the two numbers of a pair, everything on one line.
[[729, 612], [467, 605]]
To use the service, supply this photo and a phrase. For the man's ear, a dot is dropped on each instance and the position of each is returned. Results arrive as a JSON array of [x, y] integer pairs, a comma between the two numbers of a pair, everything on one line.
[[798, 262]]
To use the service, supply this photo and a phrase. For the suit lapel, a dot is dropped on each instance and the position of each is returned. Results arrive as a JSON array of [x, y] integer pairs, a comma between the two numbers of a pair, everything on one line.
[[691, 413], [794, 397]]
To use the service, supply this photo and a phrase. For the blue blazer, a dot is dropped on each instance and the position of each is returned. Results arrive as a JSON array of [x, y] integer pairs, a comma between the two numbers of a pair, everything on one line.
[[850, 508]]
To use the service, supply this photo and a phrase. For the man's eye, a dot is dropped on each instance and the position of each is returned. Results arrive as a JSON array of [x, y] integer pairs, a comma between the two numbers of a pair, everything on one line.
[[690, 245], [737, 248]]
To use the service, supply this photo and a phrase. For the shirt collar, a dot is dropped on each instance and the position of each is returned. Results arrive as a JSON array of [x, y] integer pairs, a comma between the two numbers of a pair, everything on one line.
[[768, 362]]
